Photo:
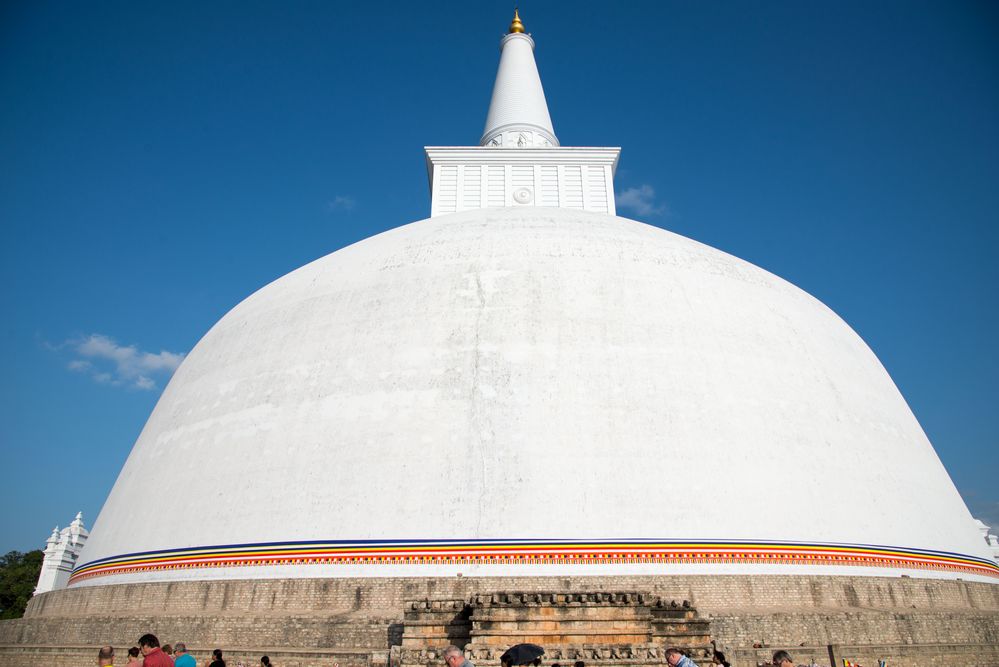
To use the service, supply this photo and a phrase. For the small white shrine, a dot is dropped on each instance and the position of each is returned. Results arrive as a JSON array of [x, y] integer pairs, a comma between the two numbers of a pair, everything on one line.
[[62, 550], [990, 538]]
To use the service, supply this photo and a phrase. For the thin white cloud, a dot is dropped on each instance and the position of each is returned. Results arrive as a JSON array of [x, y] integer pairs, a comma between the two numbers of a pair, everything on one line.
[[641, 200], [107, 362], [144, 383], [342, 203]]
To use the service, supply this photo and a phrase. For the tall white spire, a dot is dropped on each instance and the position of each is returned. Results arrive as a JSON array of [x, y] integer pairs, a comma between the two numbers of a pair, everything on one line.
[[519, 161], [518, 113]]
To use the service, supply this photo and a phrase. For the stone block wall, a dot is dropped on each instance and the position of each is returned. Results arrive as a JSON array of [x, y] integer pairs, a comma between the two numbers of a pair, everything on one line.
[[309, 620], [856, 627], [290, 631], [387, 596], [898, 655], [75, 656]]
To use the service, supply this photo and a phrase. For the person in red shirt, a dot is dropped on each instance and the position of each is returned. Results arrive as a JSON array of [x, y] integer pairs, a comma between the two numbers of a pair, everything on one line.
[[152, 655]]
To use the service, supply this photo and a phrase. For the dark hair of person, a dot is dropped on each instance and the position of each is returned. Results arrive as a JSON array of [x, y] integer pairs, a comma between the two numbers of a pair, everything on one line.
[[133, 652], [217, 654], [265, 661], [579, 663], [780, 656], [719, 659], [672, 650], [149, 640]]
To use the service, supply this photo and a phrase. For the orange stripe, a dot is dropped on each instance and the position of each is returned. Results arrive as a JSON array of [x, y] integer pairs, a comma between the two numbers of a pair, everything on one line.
[[539, 553]]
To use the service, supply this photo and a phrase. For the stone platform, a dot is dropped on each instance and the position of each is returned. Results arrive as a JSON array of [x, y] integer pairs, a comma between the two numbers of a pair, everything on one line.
[[606, 621]]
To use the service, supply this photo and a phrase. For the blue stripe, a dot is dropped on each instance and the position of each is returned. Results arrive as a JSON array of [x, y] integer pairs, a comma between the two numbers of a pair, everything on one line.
[[264, 546]]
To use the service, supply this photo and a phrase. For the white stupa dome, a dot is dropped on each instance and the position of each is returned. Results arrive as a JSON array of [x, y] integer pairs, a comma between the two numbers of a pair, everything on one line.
[[605, 395], [526, 384]]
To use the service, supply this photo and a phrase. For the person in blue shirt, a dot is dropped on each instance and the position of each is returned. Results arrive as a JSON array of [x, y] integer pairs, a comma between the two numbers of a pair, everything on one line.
[[181, 657]]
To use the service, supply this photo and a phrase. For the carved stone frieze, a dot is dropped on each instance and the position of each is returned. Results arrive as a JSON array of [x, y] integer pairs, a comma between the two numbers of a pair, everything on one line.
[[606, 628], [519, 599]]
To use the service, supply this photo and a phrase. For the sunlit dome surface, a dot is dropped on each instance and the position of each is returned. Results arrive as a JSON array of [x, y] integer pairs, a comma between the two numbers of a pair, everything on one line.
[[593, 391]]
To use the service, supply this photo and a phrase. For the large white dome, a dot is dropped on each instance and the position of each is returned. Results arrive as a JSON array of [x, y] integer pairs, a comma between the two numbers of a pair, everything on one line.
[[603, 394]]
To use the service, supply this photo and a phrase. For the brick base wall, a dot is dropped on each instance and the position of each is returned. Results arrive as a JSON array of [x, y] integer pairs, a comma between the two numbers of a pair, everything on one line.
[[898, 655], [856, 627], [354, 622], [75, 656], [386, 596]]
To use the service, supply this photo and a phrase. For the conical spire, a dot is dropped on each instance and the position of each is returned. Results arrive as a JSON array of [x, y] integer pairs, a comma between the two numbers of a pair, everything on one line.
[[518, 114], [518, 161]]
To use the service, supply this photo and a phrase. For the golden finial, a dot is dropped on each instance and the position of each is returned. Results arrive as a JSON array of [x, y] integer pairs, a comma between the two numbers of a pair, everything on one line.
[[516, 26]]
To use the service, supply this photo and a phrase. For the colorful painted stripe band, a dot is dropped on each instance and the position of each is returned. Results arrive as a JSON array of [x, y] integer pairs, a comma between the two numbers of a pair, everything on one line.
[[531, 552]]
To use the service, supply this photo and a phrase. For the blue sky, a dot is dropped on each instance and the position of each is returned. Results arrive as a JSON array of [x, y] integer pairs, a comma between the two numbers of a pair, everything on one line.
[[160, 162]]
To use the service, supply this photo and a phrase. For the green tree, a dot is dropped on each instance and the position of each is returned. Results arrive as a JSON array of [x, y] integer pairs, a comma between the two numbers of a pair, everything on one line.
[[18, 577]]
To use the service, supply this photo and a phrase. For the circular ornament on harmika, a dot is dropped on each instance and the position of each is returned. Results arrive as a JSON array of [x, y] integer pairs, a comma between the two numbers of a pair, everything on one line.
[[523, 195]]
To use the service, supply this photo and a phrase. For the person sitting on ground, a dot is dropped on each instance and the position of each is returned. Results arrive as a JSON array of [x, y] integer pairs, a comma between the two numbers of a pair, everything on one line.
[[133, 657], [217, 660], [181, 657], [782, 659], [152, 654], [455, 657], [105, 657], [676, 658]]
